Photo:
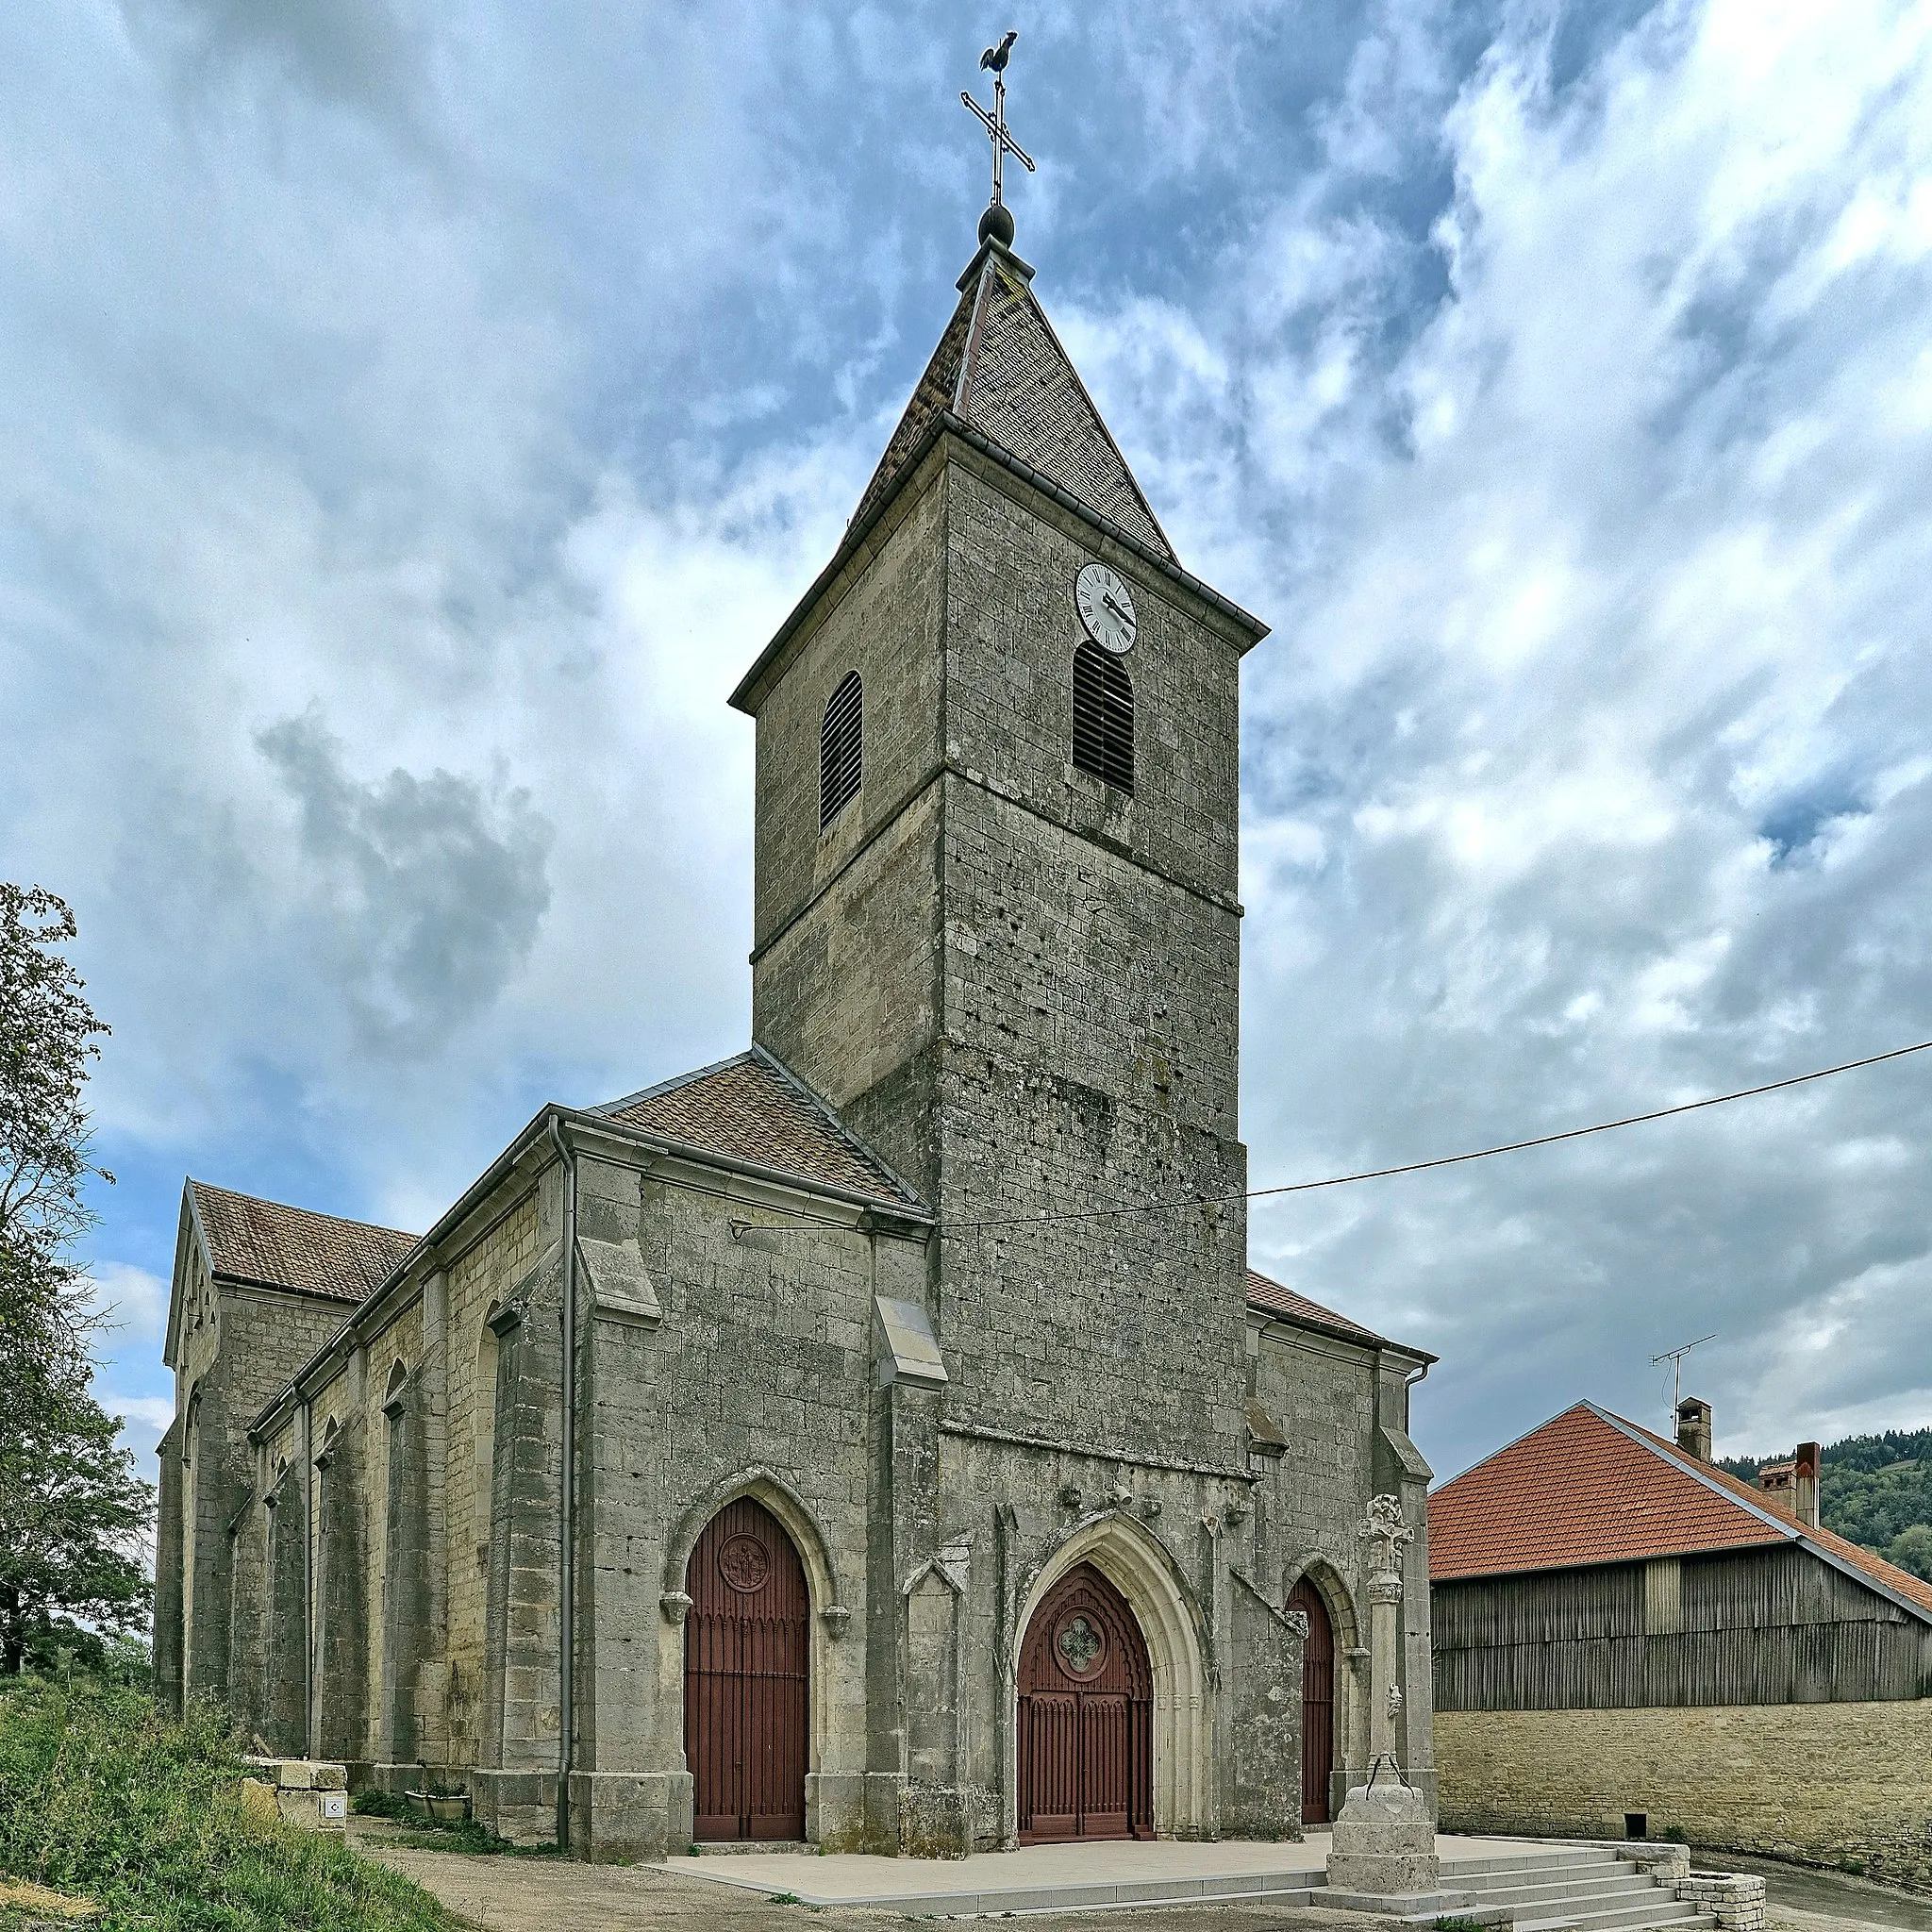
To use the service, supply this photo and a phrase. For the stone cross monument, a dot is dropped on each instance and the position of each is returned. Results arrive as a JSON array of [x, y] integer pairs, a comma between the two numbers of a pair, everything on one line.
[[1383, 1536]]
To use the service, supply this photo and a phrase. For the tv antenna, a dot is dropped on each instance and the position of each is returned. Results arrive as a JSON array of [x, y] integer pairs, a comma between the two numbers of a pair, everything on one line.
[[1676, 1358]]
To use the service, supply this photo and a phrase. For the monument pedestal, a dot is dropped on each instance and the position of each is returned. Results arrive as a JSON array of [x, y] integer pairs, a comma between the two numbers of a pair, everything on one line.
[[1383, 1857]]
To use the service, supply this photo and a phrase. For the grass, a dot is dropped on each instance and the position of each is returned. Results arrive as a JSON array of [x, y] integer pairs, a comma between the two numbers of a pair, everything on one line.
[[104, 1797]]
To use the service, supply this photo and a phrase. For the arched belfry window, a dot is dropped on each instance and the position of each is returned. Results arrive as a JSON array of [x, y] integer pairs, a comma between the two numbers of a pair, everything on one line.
[[1102, 716], [841, 748]]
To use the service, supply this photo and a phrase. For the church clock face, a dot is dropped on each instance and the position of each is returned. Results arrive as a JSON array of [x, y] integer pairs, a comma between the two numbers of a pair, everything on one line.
[[1106, 607]]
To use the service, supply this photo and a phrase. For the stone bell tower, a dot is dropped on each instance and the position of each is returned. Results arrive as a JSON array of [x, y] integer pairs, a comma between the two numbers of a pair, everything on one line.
[[996, 925]]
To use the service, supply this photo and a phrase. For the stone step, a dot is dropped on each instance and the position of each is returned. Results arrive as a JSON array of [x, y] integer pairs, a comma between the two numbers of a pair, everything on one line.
[[1556, 1856], [1597, 1871], [749, 1847], [1663, 1911], [1530, 1891]]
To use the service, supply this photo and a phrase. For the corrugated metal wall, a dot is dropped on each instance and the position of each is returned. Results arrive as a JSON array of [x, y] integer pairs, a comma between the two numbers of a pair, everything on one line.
[[1751, 1626]]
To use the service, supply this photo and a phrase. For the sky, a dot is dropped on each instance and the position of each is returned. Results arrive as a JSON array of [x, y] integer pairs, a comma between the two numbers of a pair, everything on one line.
[[416, 418]]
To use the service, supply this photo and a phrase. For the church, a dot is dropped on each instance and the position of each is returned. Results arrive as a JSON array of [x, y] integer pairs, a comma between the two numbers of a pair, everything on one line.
[[875, 1438]]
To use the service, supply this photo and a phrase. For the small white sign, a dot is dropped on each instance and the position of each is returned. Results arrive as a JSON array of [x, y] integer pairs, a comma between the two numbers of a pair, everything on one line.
[[334, 1804]]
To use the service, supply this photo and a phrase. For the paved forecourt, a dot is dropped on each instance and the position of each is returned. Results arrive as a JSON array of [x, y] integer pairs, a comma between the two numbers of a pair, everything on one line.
[[1059, 1877]]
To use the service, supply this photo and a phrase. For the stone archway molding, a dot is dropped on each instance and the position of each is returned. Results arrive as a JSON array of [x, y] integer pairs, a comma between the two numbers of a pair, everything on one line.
[[1145, 1571], [796, 1517]]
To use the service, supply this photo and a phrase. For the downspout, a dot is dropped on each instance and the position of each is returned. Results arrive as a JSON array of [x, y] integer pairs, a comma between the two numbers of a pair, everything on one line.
[[308, 1657], [566, 1621]]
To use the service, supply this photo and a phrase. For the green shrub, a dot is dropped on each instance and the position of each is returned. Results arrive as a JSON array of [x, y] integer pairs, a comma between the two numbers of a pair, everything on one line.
[[103, 1795]]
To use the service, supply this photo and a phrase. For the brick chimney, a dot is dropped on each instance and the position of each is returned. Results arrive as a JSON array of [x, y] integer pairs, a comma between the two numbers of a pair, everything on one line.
[[1804, 1486], [1693, 1427]]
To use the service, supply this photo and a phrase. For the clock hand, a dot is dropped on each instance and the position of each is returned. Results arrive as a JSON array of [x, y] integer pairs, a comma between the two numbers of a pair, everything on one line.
[[1116, 609]]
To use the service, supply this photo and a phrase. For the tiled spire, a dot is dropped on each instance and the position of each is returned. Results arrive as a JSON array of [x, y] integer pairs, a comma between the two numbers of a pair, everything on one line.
[[1000, 368]]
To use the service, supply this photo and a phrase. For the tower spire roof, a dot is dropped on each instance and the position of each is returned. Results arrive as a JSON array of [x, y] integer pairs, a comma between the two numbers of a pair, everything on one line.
[[1000, 368]]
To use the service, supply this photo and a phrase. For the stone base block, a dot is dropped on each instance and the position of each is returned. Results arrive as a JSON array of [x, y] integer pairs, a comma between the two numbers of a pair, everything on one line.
[[619, 1817], [1384, 1844], [1424, 1778], [1402, 1874], [519, 1806], [835, 1810], [1395, 1904]]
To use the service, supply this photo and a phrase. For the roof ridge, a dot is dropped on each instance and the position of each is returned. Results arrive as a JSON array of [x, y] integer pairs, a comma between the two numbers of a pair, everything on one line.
[[1696, 1469], [1514, 1442], [1735, 1491], [1099, 421]]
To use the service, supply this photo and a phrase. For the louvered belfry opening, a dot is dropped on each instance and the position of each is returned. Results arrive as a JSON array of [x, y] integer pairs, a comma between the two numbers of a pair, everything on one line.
[[1103, 717], [1086, 1716], [745, 1667], [841, 748], [1318, 1702]]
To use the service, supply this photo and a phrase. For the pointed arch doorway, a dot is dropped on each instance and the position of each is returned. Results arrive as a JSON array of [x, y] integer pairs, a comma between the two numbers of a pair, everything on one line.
[[746, 1646], [1318, 1700], [1086, 1710]]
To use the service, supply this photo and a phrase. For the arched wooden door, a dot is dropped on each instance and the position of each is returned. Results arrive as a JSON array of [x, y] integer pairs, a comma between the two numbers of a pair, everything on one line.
[[1086, 1716], [1318, 1702], [745, 1664]]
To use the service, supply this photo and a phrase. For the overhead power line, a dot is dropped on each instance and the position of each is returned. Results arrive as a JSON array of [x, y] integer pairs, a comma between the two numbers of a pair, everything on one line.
[[1380, 1173]]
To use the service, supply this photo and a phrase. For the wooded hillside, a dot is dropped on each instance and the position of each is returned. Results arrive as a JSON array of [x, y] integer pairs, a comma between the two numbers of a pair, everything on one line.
[[1875, 1490]]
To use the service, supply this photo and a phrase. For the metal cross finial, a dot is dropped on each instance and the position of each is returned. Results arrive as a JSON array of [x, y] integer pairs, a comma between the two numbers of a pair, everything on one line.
[[1004, 145]]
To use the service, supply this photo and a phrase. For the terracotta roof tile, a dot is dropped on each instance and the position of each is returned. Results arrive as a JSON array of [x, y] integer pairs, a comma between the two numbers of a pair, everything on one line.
[[251, 1239], [1273, 1299], [1590, 1488], [1872, 1565], [751, 1109], [1000, 367]]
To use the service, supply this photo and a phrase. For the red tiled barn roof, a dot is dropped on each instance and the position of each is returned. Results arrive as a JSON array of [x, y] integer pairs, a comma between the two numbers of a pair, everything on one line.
[[1590, 1488]]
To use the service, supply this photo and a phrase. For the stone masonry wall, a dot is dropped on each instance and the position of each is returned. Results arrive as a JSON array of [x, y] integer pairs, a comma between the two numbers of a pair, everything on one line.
[[1836, 1784], [1090, 1007], [763, 1360], [843, 984]]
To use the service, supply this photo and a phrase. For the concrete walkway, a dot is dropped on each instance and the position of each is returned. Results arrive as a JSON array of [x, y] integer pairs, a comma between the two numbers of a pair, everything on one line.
[[1055, 1877]]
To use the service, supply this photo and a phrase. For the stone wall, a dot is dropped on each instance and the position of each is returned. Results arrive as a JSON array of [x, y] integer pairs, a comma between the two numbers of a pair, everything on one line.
[[1837, 1784]]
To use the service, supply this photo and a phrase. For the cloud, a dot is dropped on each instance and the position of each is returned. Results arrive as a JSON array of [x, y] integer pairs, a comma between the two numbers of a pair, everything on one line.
[[428, 892], [131, 1300], [418, 424]]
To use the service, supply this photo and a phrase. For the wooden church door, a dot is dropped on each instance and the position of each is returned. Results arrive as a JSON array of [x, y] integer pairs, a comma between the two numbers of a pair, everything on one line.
[[746, 1641], [1318, 1702], [1086, 1716]]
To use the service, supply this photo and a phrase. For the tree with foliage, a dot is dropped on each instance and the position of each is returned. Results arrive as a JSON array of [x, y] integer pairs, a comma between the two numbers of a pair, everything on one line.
[[1875, 1490], [70, 1506], [71, 1510], [1911, 1550]]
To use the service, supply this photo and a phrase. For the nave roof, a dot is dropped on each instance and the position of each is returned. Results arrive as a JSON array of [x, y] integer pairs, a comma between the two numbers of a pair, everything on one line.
[[278, 1246]]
